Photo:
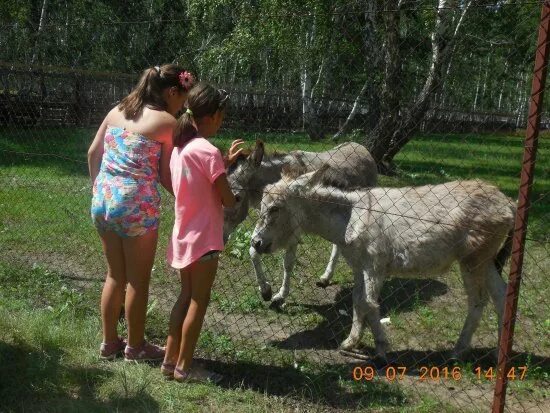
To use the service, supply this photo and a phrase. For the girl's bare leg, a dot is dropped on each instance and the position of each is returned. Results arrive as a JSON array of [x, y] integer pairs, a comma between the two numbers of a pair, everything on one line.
[[202, 276], [114, 287], [139, 256], [178, 314]]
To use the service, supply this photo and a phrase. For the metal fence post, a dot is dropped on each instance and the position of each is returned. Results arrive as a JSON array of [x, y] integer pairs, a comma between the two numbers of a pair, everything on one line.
[[520, 227]]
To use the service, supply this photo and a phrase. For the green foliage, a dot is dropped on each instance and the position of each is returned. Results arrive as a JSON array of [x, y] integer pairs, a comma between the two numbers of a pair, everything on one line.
[[49, 328], [245, 303], [43, 288], [216, 343], [293, 54], [239, 242]]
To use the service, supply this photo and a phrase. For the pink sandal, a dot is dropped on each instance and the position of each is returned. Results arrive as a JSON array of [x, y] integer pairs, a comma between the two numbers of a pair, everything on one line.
[[110, 351], [196, 376], [167, 370], [145, 352]]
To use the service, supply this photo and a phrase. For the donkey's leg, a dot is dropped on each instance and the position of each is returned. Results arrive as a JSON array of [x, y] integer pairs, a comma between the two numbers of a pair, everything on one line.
[[497, 291], [289, 261], [359, 314], [473, 277], [324, 281], [366, 292], [263, 285], [373, 285]]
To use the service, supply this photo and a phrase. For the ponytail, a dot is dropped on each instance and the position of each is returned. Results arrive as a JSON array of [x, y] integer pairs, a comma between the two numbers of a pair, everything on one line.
[[185, 129], [148, 91]]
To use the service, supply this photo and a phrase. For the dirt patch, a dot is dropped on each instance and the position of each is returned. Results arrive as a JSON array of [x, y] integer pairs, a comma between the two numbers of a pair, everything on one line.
[[314, 321], [79, 274]]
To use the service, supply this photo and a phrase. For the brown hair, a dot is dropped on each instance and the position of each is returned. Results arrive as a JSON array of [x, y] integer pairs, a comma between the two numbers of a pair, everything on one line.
[[148, 91], [203, 100]]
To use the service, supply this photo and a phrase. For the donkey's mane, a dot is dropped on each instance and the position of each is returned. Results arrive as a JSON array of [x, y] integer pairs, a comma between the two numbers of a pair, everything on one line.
[[317, 192], [347, 195], [275, 155], [329, 181]]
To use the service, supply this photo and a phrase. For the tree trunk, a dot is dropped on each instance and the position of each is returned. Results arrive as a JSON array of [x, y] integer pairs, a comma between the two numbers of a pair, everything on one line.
[[310, 121], [39, 32], [485, 79], [477, 90], [522, 98], [372, 57], [443, 40], [351, 115], [390, 94], [502, 85]]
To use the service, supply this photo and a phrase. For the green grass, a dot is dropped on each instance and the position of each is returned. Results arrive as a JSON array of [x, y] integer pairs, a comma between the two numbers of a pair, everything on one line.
[[51, 267], [49, 362]]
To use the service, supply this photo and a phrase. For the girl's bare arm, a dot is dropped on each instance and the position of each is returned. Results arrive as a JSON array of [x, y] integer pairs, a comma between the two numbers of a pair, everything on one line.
[[221, 184], [95, 152], [165, 154]]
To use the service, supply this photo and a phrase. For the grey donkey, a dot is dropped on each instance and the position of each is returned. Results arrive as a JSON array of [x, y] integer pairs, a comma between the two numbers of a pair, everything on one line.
[[409, 231], [352, 165]]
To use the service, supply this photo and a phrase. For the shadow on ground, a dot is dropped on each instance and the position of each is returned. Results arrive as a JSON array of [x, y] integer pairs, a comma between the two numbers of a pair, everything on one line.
[[332, 388], [335, 388], [398, 294], [34, 378]]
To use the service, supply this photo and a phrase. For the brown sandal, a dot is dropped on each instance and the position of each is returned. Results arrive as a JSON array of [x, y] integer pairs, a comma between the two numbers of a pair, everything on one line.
[[196, 376], [167, 370]]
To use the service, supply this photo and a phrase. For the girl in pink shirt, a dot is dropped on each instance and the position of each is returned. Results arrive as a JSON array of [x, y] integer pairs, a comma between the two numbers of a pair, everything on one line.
[[201, 190]]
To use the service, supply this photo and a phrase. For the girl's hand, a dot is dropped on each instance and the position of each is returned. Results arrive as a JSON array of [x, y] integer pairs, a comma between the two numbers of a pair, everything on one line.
[[234, 152]]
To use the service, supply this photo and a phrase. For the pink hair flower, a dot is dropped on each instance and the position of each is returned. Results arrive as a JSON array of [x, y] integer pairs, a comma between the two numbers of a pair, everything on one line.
[[186, 79]]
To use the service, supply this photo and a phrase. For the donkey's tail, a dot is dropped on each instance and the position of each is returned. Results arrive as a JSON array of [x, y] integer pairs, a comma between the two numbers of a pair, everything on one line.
[[504, 252]]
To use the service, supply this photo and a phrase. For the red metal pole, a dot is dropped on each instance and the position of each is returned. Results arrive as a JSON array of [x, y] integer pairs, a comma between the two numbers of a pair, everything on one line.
[[522, 214]]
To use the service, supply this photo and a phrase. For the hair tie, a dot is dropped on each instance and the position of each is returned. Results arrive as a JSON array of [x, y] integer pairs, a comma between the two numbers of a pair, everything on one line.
[[189, 111], [157, 68]]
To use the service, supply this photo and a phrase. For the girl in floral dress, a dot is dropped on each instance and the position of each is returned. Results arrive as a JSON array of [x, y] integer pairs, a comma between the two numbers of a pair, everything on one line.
[[129, 156]]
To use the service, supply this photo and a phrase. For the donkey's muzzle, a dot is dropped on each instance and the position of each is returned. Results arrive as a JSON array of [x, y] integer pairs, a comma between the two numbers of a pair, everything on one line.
[[260, 246]]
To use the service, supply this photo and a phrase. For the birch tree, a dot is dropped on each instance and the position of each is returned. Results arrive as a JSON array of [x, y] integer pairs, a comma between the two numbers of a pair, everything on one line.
[[398, 122]]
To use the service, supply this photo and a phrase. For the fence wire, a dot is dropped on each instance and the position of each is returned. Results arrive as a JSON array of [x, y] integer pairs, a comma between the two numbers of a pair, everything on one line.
[[437, 92]]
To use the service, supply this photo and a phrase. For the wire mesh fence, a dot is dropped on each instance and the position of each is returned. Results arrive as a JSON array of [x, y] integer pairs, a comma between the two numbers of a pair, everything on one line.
[[436, 91]]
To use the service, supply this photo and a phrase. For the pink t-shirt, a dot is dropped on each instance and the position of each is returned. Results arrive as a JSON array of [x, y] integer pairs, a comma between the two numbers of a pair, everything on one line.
[[198, 225]]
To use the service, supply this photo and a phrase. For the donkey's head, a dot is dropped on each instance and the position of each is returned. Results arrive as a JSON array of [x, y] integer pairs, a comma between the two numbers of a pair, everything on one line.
[[240, 177], [281, 212]]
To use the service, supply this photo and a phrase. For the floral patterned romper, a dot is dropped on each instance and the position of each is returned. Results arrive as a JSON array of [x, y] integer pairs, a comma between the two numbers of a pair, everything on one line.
[[125, 194]]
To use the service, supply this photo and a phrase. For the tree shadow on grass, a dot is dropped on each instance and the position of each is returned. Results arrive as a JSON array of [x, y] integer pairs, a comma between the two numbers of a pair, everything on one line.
[[34, 379], [333, 386], [418, 362], [329, 387], [398, 294]]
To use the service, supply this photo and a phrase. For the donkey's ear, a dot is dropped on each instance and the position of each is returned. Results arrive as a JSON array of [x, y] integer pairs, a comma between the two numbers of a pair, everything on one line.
[[319, 175], [257, 154]]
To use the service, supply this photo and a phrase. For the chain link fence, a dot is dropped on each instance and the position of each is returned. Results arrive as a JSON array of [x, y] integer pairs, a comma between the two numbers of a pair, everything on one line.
[[437, 91]]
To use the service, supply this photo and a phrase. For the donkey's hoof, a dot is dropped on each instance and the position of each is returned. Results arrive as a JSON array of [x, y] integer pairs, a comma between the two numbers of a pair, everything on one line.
[[267, 294], [348, 344], [277, 303], [323, 283]]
